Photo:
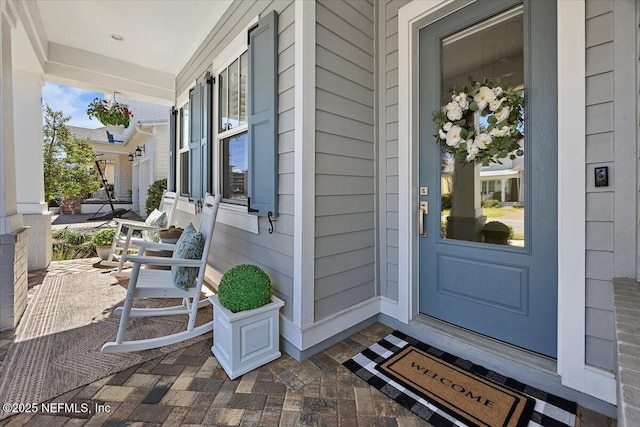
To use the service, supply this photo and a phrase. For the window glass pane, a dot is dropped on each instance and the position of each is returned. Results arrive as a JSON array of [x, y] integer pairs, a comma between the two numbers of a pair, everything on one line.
[[481, 201], [223, 100], [184, 123], [235, 163], [244, 71], [184, 173], [234, 89]]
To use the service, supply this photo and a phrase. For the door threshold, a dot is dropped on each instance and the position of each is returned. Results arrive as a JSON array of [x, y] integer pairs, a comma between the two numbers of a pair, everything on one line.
[[487, 344]]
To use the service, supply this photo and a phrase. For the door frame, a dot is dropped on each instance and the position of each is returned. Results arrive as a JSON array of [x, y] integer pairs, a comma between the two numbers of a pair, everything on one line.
[[571, 364]]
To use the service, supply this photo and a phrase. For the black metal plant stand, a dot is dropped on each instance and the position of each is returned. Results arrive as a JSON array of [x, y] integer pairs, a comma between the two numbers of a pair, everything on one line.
[[115, 213]]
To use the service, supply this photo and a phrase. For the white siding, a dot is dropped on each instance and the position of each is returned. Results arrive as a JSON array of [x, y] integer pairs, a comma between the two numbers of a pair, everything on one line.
[[162, 151], [345, 155], [232, 246]]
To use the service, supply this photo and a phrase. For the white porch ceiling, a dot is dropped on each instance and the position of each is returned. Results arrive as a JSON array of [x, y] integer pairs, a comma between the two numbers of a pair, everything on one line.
[[72, 40]]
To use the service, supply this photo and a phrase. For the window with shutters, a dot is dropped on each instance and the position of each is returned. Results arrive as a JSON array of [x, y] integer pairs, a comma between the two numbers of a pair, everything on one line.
[[226, 145], [232, 139], [183, 151]]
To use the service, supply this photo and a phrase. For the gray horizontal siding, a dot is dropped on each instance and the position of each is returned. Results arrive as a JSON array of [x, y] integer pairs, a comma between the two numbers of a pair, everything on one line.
[[345, 258], [232, 246], [600, 337]]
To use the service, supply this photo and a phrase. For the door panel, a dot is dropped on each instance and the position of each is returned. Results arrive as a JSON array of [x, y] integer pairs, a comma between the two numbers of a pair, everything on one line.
[[504, 290]]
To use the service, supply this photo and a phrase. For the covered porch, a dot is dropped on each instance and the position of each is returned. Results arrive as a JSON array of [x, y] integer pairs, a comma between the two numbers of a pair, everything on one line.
[[188, 386], [342, 248]]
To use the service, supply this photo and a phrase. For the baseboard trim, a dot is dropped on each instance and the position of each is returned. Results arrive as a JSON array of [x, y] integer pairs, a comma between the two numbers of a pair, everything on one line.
[[326, 329], [300, 355]]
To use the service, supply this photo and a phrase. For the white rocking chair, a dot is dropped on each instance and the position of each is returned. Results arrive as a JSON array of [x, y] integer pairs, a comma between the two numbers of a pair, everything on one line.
[[122, 245], [159, 284]]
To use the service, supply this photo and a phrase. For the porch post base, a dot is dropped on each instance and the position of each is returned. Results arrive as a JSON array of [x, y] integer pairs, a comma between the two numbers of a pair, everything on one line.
[[13, 277], [40, 240], [465, 228]]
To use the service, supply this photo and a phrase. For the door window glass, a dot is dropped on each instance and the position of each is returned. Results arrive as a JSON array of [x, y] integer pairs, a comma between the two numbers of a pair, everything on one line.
[[484, 202]]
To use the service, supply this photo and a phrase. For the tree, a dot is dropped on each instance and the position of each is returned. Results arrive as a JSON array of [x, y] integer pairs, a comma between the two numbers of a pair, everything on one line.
[[68, 160]]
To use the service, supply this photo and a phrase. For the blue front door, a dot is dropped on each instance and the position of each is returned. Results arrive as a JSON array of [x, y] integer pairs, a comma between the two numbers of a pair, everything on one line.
[[488, 254]]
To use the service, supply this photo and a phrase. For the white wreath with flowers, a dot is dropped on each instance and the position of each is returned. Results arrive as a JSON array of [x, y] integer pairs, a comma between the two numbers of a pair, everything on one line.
[[495, 137]]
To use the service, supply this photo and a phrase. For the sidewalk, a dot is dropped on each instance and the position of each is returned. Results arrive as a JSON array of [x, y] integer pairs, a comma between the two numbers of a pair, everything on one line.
[[84, 222]]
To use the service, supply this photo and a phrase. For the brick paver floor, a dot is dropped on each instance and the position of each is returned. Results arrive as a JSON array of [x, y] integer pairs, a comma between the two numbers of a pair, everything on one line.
[[188, 387]]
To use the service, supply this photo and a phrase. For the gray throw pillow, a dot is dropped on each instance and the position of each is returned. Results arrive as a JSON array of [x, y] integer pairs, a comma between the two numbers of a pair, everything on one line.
[[190, 245], [155, 219]]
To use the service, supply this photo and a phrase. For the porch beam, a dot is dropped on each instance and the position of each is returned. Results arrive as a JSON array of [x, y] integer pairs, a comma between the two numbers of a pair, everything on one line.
[[77, 67]]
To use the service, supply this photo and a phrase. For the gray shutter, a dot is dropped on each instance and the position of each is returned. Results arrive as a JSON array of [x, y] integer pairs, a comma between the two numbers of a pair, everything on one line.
[[195, 144], [205, 142], [262, 107], [173, 148]]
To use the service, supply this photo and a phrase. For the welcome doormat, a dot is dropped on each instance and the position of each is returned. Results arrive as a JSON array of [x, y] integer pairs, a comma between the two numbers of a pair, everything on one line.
[[446, 390]]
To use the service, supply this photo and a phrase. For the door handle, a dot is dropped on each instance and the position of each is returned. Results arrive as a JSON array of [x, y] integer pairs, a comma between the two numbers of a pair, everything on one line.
[[422, 211]]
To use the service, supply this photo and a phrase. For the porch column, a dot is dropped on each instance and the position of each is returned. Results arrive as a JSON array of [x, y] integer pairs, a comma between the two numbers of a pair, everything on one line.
[[503, 185], [27, 107], [13, 236], [466, 219]]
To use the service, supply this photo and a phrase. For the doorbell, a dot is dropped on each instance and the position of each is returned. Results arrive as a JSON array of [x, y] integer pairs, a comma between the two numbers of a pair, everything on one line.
[[602, 176]]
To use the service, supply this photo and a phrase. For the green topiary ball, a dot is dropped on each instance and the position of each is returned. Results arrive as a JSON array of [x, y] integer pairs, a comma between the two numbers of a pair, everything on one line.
[[244, 287]]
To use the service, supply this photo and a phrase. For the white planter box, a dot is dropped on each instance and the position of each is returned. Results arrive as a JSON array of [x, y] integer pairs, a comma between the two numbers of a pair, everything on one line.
[[248, 339]]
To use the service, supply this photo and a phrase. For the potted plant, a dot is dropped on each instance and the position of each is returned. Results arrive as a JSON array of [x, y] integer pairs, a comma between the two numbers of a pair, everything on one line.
[[113, 115], [245, 320], [102, 240]]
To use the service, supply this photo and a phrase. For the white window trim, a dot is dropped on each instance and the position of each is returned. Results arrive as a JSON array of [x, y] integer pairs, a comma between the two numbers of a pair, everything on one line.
[[228, 213], [181, 150]]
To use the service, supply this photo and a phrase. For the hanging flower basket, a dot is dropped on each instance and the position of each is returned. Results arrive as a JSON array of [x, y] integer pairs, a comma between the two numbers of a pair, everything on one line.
[[482, 123], [110, 113]]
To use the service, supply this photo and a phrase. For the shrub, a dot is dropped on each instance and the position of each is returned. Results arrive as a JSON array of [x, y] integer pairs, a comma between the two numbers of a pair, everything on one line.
[[497, 232], [65, 251], [446, 201], [244, 287], [490, 203], [61, 234], [103, 237], [72, 237], [154, 195], [78, 237]]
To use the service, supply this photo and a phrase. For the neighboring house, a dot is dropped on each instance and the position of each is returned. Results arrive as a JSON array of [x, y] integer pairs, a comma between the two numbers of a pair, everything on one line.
[[131, 173], [319, 136], [504, 182]]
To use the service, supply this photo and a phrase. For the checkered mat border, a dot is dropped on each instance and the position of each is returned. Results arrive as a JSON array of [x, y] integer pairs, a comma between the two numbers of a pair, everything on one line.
[[549, 410]]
